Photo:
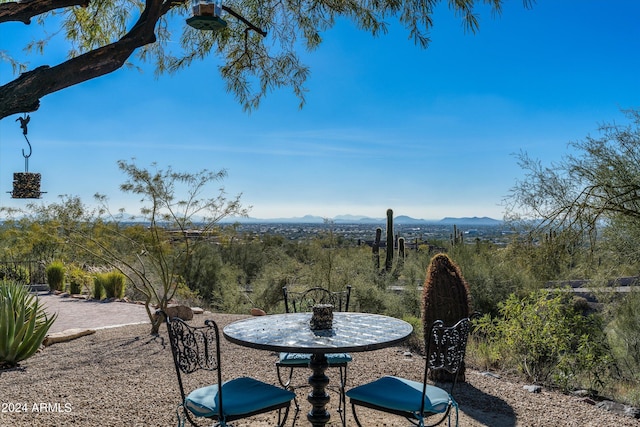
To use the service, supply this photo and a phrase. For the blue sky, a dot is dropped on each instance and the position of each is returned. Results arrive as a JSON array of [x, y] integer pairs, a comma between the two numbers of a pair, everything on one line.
[[429, 133]]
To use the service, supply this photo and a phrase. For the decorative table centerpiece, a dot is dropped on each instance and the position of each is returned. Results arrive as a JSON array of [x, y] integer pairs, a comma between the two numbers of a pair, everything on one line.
[[322, 317]]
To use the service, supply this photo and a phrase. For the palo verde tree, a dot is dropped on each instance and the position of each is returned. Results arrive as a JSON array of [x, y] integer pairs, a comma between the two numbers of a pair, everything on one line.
[[597, 185], [171, 203], [177, 217], [257, 49]]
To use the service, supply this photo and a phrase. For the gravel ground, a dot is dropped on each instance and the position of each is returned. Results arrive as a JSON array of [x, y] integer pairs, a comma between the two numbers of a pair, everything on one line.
[[125, 377]]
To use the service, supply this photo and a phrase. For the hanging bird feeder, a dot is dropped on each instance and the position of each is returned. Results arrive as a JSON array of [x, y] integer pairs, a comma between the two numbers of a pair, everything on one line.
[[26, 185], [206, 15]]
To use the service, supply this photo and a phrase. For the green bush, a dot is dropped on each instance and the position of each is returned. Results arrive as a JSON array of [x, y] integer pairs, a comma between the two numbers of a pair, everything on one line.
[[99, 281], [482, 352], [119, 281], [78, 280], [55, 276], [415, 341], [23, 324], [624, 335], [549, 340], [113, 284], [15, 273]]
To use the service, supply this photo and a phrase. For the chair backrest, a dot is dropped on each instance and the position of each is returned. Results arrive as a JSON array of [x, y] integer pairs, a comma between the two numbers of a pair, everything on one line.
[[194, 348], [446, 347], [295, 302]]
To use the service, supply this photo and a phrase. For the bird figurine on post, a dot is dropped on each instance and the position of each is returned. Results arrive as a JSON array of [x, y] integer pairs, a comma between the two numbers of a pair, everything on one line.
[[23, 123]]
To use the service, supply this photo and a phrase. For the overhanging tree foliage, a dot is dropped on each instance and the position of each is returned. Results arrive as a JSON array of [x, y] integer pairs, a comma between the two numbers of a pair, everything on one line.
[[104, 34]]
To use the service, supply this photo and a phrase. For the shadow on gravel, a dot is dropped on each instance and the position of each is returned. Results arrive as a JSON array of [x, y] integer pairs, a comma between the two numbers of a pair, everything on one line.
[[484, 408]]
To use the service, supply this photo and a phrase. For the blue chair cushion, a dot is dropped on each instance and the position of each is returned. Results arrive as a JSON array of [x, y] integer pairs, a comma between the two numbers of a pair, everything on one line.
[[303, 359], [401, 394], [240, 396]]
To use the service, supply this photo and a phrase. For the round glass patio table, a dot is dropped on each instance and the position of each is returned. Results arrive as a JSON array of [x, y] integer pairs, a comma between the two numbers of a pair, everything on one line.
[[290, 332]]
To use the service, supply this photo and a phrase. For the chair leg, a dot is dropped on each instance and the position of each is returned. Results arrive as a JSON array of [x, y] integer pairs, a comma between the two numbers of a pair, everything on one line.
[[342, 405], [295, 402], [287, 385], [282, 420], [181, 418], [284, 384], [355, 415]]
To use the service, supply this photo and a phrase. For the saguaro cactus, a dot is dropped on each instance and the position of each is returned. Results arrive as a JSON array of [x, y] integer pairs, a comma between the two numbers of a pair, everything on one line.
[[389, 260], [376, 249], [457, 236], [401, 255], [446, 297]]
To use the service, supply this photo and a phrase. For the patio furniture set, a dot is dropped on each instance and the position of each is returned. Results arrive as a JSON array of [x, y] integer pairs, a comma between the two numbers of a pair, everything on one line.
[[310, 335]]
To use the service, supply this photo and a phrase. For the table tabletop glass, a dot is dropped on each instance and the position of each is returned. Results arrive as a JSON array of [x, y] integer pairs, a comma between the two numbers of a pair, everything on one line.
[[351, 332]]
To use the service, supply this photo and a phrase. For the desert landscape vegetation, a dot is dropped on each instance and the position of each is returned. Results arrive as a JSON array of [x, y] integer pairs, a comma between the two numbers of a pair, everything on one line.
[[531, 326], [552, 286]]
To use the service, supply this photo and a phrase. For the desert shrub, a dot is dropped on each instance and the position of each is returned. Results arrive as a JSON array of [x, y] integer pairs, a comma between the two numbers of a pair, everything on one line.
[[23, 324], [15, 273], [78, 280], [415, 341], [267, 294], [482, 352], [493, 275], [119, 281], [55, 276], [204, 274], [370, 299], [623, 333], [113, 284], [186, 296], [98, 286], [549, 341], [403, 303]]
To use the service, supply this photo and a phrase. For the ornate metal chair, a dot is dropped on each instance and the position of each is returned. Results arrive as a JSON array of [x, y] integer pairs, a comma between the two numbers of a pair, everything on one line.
[[421, 403], [198, 348], [296, 302]]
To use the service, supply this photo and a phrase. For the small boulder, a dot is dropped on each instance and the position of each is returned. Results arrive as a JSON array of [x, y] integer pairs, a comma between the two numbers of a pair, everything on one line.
[[180, 311], [619, 408], [533, 388], [257, 312], [491, 375]]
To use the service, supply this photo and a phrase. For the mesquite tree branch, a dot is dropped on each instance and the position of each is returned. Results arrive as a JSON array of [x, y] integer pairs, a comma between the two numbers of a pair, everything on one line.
[[23, 94], [23, 11]]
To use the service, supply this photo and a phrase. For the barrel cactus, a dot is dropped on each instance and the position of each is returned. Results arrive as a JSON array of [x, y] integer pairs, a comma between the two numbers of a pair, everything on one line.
[[446, 297]]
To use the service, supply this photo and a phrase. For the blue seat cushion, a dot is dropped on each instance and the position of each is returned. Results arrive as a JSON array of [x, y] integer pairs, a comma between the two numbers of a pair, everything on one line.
[[303, 359], [240, 396], [400, 394]]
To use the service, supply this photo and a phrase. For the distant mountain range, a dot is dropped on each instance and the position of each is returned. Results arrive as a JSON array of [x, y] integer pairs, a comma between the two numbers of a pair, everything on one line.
[[356, 219], [349, 219]]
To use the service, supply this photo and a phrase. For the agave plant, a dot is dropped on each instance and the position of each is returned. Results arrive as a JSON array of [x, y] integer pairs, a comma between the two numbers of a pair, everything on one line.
[[23, 324]]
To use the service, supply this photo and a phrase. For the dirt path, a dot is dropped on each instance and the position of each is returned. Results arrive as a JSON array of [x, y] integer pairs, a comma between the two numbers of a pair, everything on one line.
[[89, 314]]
